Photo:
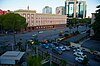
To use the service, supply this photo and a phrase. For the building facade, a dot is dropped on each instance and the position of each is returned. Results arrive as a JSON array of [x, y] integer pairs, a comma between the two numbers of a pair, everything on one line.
[[2, 12], [75, 8], [60, 10], [47, 10], [92, 21], [42, 21]]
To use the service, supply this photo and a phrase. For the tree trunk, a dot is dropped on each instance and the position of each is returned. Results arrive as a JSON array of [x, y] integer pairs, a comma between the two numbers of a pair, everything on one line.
[[14, 41], [70, 31]]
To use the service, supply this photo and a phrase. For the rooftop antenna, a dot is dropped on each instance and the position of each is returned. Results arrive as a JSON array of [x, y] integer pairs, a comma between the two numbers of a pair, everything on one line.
[[28, 7]]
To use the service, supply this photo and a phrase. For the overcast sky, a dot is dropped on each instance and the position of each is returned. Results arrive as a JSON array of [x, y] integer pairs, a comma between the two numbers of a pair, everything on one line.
[[38, 5]]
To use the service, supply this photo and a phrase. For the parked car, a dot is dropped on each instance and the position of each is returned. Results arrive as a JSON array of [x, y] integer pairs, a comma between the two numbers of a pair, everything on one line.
[[40, 31], [56, 44], [57, 50], [46, 46], [78, 52], [97, 58], [79, 59], [34, 35], [64, 48], [51, 45]]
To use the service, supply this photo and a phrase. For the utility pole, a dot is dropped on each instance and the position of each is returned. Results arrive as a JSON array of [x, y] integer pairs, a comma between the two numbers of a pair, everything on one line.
[[50, 59]]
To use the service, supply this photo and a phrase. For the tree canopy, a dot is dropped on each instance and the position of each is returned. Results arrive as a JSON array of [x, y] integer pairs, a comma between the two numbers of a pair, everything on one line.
[[96, 24], [12, 21]]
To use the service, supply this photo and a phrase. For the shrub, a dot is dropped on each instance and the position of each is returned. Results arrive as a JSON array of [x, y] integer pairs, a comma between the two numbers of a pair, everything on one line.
[[77, 32], [68, 44], [66, 35], [85, 61]]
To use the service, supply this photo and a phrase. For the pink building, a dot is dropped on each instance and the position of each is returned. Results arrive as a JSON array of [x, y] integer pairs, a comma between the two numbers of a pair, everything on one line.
[[2, 12], [38, 21]]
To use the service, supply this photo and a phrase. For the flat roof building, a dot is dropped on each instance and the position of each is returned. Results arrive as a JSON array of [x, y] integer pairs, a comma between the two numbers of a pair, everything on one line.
[[42, 21], [11, 57]]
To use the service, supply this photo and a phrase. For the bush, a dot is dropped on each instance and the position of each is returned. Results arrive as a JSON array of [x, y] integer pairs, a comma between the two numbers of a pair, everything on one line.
[[77, 32], [68, 44], [85, 61], [66, 35], [60, 34]]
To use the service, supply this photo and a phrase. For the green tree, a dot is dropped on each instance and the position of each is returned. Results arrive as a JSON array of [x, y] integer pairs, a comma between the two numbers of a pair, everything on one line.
[[63, 62], [74, 21], [85, 61], [66, 35], [96, 24], [34, 60], [1, 27], [19, 45], [13, 22], [70, 27]]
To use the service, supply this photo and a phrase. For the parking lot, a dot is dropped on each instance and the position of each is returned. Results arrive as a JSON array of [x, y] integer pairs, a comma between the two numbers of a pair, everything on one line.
[[70, 57]]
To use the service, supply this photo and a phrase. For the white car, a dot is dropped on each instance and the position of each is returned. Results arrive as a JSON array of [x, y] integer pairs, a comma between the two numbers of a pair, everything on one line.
[[79, 59], [78, 53], [34, 35], [40, 31], [77, 50], [63, 48]]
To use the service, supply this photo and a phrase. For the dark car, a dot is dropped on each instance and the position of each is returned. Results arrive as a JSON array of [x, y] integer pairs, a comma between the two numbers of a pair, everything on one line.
[[58, 51], [56, 44], [97, 58], [51, 45], [46, 46]]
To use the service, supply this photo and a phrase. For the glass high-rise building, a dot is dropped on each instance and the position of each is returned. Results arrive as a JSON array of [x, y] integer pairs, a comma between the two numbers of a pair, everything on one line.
[[60, 10], [47, 10], [75, 8]]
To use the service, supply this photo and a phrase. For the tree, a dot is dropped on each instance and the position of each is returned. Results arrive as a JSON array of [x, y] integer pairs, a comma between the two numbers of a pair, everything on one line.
[[13, 22], [63, 62], [74, 21], [96, 24], [85, 61], [19, 45], [66, 35], [1, 27], [70, 27], [34, 60]]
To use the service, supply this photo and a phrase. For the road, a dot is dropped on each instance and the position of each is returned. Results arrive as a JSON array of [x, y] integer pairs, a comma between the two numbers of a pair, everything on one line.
[[47, 34], [69, 57]]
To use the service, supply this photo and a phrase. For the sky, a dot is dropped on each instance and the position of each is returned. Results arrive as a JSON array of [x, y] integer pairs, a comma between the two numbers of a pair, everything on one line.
[[38, 5]]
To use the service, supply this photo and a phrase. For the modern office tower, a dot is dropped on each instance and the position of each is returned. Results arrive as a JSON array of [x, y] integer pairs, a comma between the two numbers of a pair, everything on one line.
[[60, 10], [75, 8], [47, 10]]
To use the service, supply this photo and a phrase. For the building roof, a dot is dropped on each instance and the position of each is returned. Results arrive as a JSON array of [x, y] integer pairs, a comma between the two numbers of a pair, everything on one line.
[[21, 10], [12, 55]]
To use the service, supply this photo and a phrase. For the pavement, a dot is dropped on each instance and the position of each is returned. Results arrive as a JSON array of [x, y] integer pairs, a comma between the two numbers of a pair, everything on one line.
[[92, 44]]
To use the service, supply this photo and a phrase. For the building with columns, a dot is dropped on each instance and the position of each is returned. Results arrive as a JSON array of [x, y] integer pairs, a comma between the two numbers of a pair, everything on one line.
[[75, 8], [39, 21]]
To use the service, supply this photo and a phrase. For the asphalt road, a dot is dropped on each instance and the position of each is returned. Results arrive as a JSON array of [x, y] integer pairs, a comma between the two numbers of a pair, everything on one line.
[[68, 56], [47, 34]]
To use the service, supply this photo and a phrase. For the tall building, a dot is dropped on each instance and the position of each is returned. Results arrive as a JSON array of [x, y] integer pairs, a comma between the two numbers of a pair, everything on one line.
[[92, 21], [60, 10], [47, 10], [42, 21], [75, 8]]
